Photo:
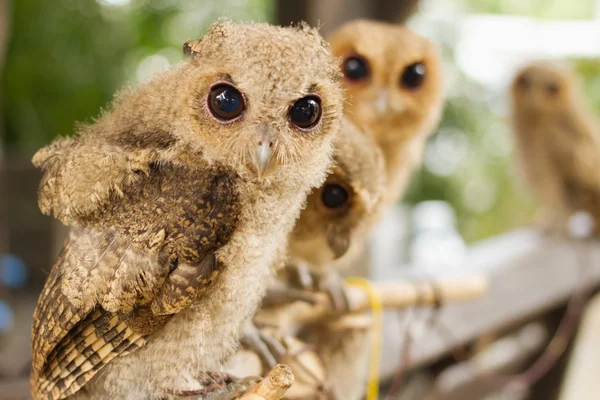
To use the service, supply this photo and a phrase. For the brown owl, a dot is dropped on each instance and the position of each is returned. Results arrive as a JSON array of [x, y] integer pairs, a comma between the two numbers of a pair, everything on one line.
[[334, 222], [558, 142], [181, 198], [338, 214], [393, 83]]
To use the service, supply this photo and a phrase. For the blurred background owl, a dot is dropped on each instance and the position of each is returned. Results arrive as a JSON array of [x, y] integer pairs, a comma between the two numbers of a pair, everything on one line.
[[394, 89], [338, 214], [558, 142]]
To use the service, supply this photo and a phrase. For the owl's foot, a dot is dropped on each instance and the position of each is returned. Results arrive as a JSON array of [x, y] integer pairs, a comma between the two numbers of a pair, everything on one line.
[[233, 390], [268, 348], [219, 386], [333, 285], [283, 295], [305, 282]]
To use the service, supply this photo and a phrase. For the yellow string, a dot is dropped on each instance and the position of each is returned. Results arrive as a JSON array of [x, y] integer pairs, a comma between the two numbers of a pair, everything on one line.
[[375, 356]]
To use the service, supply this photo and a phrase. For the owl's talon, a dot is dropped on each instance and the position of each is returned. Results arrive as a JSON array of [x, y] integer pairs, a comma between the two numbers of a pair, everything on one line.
[[286, 295], [268, 348], [234, 389], [333, 285]]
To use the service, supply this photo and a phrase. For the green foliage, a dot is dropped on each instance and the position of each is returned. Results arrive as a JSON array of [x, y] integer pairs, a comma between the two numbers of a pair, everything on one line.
[[68, 57], [546, 9]]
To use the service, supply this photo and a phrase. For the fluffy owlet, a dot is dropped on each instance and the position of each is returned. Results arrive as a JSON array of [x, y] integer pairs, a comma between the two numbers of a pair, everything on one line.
[[558, 141], [394, 89], [339, 213], [181, 198], [334, 222]]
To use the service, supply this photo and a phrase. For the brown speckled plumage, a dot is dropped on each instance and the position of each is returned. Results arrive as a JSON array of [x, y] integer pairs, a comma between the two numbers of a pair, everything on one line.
[[174, 233]]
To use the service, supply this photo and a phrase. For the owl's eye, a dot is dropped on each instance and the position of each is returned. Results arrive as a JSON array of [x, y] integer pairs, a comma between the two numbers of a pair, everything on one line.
[[225, 102], [306, 112], [334, 195], [552, 89], [355, 68], [523, 82], [413, 76]]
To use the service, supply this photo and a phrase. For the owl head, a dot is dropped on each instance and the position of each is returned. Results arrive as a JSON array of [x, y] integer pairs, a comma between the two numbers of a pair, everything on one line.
[[392, 76], [542, 88], [260, 96], [264, 102], [338, 214]]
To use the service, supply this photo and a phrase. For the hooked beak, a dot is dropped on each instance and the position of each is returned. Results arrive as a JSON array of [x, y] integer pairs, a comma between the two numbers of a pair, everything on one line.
[[263, 156]]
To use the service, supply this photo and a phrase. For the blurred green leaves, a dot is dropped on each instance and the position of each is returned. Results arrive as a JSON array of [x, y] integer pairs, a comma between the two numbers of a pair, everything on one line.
[[547, 9], [68, 57]]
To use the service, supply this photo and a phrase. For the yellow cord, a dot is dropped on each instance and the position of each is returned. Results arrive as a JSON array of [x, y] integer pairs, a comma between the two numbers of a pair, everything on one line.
[[377, 308]]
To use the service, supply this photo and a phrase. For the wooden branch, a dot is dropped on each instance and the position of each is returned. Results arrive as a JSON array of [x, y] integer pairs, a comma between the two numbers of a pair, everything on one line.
[[392, 295], [273, 387], [309, 371], [529, 275], [581, 379]]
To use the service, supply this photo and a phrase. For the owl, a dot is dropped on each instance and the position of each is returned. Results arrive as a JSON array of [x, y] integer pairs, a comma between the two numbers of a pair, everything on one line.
[[334, 222], [181, 198], [338, 214], [558, 142], [393, 83]]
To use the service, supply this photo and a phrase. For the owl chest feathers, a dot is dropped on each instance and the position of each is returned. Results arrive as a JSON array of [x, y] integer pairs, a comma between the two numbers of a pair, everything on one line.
[[204, 334]]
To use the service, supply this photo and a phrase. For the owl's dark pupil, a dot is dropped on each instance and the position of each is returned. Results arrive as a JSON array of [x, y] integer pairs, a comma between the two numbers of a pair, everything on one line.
[[552, 89], [355, 68], [413, 76], [228, 101], [523, 82], [334, 196], [225, 102], [306, 112]]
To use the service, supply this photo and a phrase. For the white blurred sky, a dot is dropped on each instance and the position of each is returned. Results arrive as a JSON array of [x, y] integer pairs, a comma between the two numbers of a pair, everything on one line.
[[489, 48]]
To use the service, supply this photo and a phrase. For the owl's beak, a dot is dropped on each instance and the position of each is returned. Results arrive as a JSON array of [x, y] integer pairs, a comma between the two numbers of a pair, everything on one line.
[[382, 102], [263, 156]]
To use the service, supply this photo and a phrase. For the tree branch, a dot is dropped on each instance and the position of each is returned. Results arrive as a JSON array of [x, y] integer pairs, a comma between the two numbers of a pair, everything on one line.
[[392, 295], [273, 387]]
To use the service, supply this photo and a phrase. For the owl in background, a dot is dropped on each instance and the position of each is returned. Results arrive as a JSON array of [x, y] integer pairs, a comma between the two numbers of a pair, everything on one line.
[[558, 143], [393, 83], [181, 198], [338, 214], [333, 226]]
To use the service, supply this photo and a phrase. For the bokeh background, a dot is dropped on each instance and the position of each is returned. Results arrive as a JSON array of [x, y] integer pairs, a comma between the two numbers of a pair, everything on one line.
[[61, 61]]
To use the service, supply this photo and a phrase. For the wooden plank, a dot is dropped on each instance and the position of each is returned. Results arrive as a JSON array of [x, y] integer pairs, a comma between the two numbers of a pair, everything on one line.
[[529, 274], [581, 379]]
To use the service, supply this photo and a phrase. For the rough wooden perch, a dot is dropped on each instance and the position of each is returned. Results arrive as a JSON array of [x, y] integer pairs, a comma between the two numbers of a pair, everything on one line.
[[392, 295], [273, 386], [302, 359]]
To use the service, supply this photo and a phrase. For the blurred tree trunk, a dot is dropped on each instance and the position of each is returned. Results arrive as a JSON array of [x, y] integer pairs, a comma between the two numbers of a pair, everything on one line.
[[4, 36], [395, 11], [332, 13]]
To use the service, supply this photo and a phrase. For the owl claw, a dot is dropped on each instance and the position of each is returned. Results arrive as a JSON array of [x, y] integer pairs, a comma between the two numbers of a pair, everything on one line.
[[269, 349], [330, 283], [234, 389], [333, 286]]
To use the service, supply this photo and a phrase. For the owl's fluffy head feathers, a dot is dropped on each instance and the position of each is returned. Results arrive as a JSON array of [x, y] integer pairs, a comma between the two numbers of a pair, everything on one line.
[[170, 119]]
